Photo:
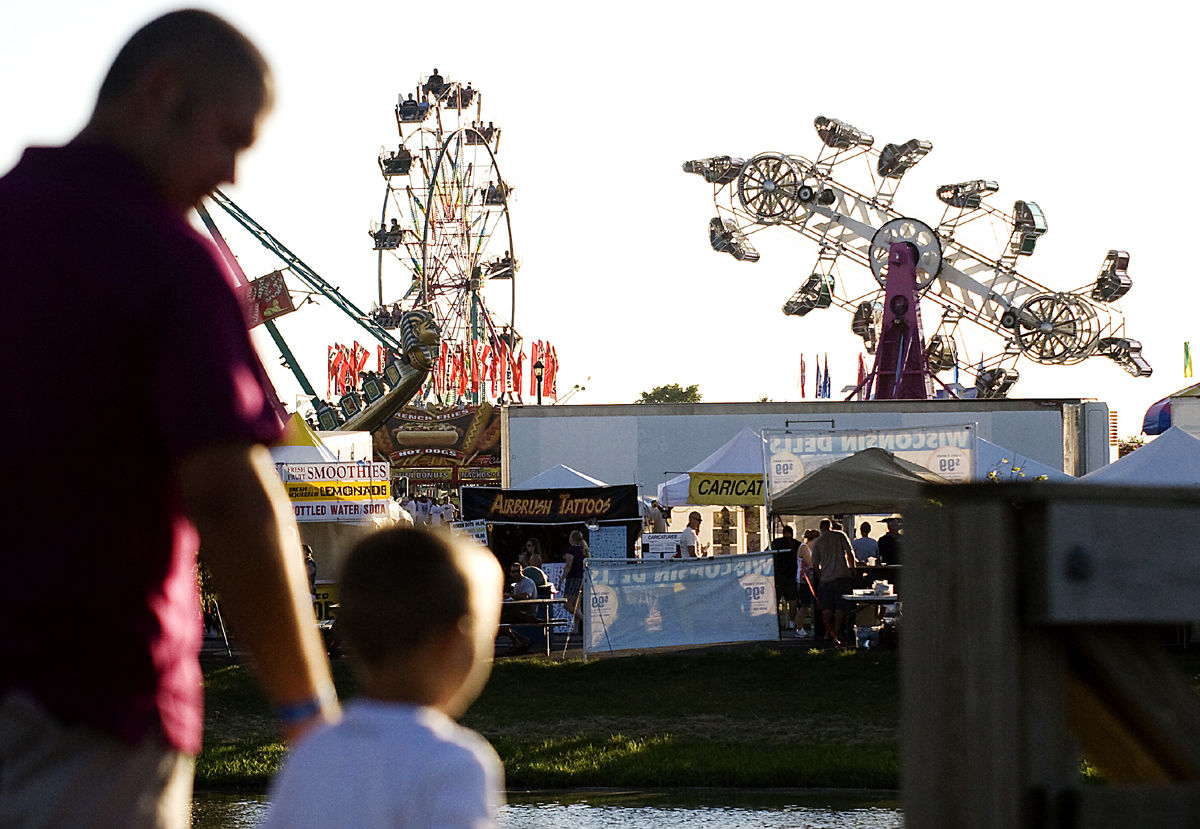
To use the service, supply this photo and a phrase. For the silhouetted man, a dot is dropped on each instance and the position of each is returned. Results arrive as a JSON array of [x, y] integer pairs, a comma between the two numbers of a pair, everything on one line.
[[165, 359]]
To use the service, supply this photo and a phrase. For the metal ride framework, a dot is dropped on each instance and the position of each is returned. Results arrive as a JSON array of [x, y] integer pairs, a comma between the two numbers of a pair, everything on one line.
[[309, 277], [860, 225], [444, 235]]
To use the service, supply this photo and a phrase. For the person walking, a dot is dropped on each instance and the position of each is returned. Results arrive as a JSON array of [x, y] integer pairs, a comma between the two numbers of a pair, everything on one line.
[[168, 359]]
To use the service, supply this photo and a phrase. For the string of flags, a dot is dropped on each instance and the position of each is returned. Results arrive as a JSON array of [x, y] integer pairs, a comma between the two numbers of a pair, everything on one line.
[[462, 368]]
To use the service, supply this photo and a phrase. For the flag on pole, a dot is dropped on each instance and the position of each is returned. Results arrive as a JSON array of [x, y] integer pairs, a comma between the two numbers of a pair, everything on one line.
[[1187, 359], [817, 386], [802, 377], [862, 376], [827, 389]]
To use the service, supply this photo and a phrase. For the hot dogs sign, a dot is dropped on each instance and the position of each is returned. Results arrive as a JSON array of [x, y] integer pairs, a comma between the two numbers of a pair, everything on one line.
[[460, 444]]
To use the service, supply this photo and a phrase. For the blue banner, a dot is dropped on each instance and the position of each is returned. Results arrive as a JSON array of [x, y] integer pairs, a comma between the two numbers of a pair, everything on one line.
[[680, 602]]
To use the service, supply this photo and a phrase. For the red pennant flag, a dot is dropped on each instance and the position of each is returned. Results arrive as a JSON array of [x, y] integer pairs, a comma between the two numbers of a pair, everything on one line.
[[550, 378], [518, 363], [535, 353]]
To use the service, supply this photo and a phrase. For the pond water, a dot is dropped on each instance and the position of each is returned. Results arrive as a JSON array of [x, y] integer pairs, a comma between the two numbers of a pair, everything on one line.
[[678, 809]]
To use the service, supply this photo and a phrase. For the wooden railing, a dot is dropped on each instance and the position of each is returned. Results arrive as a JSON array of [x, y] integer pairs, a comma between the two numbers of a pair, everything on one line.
[[1035, 617]]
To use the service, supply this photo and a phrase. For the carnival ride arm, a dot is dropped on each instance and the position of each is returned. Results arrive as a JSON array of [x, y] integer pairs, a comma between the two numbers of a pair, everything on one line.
[[250, 543]]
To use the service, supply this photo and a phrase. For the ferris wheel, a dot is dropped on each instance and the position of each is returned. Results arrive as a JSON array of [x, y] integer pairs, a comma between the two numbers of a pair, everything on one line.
[[444, 235], [970, 288]]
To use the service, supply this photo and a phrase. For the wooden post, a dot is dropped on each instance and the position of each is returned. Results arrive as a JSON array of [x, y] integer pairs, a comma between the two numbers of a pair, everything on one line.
[[1024, 647]]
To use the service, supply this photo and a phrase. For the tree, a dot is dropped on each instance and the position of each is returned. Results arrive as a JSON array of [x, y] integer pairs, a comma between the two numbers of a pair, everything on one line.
[[673, 393], [1130, 444]]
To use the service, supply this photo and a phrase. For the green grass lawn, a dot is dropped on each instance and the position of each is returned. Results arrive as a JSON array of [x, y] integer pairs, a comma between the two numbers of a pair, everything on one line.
[[746, 717]]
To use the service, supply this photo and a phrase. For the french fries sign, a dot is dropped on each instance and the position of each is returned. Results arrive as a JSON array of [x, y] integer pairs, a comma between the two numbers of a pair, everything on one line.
[[337, 492]]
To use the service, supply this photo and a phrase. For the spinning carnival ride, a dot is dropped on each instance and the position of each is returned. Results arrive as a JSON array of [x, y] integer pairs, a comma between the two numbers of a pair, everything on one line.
[[970, 287], [444, 238]]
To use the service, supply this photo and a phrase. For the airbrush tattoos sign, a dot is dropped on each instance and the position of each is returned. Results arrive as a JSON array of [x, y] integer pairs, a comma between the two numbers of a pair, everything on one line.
[[552, 506]]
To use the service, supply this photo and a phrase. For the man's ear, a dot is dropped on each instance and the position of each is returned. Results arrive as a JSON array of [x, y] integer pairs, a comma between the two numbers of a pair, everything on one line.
[[160, 88]]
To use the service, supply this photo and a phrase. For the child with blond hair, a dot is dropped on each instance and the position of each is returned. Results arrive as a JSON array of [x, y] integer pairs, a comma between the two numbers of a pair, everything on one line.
[[419, 613]]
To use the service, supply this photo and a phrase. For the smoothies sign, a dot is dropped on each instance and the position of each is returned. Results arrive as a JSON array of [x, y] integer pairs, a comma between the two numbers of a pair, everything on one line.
[[338, 492], [946, 450]]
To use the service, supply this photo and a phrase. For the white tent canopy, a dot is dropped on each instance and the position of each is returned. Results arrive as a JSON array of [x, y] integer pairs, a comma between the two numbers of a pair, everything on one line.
[[1171, 459], [989, 456], [742, 455], [300, 444], [559, 477]]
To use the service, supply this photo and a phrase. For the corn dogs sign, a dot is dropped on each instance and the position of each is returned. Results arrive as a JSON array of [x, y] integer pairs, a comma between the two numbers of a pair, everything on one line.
[[337, 492]]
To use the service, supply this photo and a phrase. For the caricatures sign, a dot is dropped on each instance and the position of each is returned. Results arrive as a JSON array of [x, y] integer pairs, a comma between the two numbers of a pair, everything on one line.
[[676, 602], [660, 545], [337, 492], [789, 456], [725, 488], [447, 446]]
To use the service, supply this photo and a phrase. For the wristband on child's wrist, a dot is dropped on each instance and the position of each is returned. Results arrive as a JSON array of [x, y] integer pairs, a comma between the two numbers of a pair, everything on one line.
[[295, 713]]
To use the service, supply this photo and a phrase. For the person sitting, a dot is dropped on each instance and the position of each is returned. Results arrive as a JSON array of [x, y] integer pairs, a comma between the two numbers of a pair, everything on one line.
[[435, 83], [521, 586], [419, 612], [531, 559], [398, 162]]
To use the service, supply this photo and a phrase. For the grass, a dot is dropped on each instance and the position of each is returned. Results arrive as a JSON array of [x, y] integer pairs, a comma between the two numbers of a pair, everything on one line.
[[755, 718]]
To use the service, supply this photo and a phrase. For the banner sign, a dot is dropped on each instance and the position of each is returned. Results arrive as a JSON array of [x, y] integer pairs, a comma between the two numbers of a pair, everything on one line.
[[724, 488], [475, 529], [265, 298], [679, 602], [608, 542], [576, 505], [337, 492], [660, 545], [459, 444], [789, 456]]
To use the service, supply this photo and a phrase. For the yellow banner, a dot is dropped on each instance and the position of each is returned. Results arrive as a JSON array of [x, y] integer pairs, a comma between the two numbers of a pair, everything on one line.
[[724, 488], [337, 490]]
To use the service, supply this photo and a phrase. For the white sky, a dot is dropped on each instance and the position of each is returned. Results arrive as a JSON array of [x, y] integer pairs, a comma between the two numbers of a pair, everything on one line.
[[1079, 107]]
